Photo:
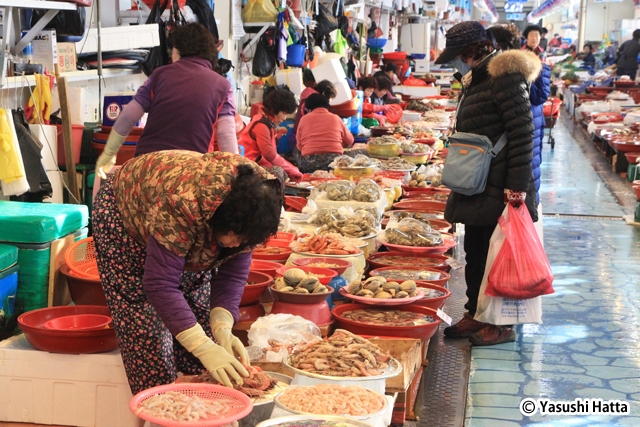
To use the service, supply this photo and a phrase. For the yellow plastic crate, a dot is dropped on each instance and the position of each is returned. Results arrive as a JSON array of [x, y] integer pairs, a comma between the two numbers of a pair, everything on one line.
[[384, 150], [353, 173]]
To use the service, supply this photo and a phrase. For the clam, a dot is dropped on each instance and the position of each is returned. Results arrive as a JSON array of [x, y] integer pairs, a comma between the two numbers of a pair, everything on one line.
[[408, 286], [286, 289], [380, 279], [373, 286], [280, 283], [365, 293], [320, 289], [294, 276], [402, 294], [413, 293], [391, 286], [384, 295], [309, 283], [300, 291], [354, 287]]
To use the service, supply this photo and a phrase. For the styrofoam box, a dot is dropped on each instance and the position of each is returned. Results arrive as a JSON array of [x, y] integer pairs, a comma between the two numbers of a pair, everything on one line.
[[48, 137], [56, 186], [88, 390], [330, 70], [291, 77], [120, 38], [344, 93], [417, 91]]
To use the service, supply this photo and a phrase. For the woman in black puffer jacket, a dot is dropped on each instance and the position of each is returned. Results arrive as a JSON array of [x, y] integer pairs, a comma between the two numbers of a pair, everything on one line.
[[495, 100]]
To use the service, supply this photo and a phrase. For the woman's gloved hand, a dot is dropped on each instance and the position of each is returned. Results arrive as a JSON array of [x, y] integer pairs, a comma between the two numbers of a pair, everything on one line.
[[221, 323], [515, 198], [107, 159], [215, 358]]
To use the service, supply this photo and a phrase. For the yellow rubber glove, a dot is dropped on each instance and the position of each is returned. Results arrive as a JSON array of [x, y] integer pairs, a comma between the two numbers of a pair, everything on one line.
[[221, 323], [108, 157], [221, 364]]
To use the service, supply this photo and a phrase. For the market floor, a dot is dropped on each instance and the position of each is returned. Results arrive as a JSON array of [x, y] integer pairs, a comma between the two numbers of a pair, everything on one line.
[[589, 343]]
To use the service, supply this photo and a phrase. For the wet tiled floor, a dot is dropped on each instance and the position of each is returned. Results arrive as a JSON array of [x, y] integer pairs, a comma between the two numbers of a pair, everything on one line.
[[589, 343]]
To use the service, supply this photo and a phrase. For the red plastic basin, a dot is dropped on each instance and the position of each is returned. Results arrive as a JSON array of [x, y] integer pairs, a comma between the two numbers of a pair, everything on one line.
[[78, 322], [420, 206], [317, 313], [304, 299], [294, 203], [341, 263], [632, 157], [83, 291], [433, 303], [251, 312], [67, 341], [266, 267], [422, 332], [327, 273], [434, 261], [442, 281], [626, 147], [636, 189], [262, 253], [252, 293]]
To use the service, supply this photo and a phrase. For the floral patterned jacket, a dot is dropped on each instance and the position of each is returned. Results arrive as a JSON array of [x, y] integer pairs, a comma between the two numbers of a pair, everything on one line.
[[171, 195]]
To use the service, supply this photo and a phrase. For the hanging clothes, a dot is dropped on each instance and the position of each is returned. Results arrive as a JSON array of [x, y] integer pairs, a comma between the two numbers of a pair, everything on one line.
[[38, 108], [31, 151], [14, 181]]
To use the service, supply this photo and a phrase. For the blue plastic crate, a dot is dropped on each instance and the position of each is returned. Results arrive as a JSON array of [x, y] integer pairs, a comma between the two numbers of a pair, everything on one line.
[[8, 288]]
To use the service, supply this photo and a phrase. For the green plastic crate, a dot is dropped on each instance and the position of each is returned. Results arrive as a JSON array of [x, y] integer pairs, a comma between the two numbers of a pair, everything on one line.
[[40, 222], [8, 256]]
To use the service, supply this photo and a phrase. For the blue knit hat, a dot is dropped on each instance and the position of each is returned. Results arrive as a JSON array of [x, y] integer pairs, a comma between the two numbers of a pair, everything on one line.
[[459, 36]]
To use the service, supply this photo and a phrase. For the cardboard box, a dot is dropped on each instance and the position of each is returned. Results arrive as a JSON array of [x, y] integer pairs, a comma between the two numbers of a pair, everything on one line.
[[407, 351], [45, 49], [291, 77], [67, 58], [113, 105], [331, 70]]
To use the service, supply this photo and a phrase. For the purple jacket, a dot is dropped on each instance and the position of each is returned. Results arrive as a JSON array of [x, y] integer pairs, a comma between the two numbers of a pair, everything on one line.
[[161, 282], [184, 100]]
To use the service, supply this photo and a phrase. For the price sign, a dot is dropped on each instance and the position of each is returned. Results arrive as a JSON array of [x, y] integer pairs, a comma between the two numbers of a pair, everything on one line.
[[444, 316], [513, 7], [454, 264], [516, 16]]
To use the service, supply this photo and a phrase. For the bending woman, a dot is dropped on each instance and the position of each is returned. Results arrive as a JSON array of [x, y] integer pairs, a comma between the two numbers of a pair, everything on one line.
[[174, 232]]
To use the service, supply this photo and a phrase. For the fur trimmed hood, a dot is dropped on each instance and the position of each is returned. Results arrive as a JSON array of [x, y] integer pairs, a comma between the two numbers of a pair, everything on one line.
[[516, 61]]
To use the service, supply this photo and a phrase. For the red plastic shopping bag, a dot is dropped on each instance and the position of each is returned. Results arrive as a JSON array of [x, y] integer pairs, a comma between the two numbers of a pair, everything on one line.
[[521, 269]]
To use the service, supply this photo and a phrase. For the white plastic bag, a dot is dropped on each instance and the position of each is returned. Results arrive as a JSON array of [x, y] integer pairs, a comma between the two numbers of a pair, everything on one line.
[[286, 329], [504, 311]]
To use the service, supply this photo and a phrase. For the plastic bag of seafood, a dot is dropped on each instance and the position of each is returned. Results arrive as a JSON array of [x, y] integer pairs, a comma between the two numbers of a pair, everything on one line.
[[325, 216], [367, 191], [411, 232], [273, 337]]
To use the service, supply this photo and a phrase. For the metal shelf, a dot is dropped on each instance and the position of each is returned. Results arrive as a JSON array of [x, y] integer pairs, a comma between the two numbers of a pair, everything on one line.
[[73, 76], [53, 7], [264, 26]]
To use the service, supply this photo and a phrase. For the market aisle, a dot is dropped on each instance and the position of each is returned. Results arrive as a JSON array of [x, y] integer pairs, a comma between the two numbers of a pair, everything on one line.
[[588, 344]]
